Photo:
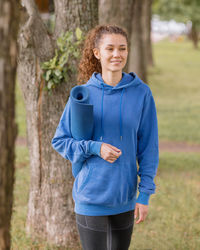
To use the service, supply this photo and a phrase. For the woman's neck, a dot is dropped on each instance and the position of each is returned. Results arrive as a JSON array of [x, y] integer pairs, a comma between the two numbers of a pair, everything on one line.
[[112, 78]]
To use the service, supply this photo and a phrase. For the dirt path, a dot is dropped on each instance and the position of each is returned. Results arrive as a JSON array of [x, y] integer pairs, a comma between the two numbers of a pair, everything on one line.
[[170, 146], [164, 146]]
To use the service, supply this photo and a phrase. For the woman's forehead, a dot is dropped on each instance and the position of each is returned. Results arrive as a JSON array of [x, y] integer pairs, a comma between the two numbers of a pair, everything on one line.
[[113, 40]]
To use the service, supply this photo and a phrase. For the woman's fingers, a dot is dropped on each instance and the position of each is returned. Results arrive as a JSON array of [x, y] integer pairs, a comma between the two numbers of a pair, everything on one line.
[[142, 211], [112, 160], [136, 211], [115, 153], [109, 152], [114, 148]]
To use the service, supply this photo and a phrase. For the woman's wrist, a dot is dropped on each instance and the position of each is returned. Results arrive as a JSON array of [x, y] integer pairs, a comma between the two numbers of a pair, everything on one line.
[[143, 198]]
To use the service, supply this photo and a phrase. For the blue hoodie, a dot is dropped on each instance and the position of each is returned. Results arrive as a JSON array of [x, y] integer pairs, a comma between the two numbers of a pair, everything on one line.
[[125, 117]]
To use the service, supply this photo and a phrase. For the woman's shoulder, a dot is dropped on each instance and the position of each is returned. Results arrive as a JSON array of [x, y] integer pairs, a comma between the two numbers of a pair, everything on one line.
[[145, 88]]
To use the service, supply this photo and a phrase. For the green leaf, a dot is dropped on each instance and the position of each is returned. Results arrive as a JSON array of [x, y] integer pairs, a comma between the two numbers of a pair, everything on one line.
[[56, 79], [76, 54], [47, 77], [45, 65], [78, 33], [49, 85], [57, 72], [63, 59]]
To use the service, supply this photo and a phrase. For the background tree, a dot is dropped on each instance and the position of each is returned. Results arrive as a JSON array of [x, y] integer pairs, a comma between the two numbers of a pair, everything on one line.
[[181, 11], [9, 16], [147, 16], [113, 12], [50, 207], [135, 17]]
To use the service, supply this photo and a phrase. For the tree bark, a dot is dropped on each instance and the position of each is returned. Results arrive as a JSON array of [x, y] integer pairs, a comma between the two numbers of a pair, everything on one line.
[[146, 9], [137, 61], [51, 214], [194, 35], [118, 12], [9, 14], [72, 14]]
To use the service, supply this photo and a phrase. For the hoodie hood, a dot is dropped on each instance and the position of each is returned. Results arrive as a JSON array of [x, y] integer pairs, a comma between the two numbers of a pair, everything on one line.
[[127, 80]]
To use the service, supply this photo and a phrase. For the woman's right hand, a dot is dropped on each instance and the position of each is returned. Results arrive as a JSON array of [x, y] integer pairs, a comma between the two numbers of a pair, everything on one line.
[[109, 152]]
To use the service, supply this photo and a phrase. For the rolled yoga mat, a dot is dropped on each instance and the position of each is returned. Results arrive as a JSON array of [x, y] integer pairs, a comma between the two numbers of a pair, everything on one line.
[[82, 121]]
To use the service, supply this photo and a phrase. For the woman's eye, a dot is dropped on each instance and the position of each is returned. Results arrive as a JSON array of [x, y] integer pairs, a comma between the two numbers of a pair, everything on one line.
[[120, 49]]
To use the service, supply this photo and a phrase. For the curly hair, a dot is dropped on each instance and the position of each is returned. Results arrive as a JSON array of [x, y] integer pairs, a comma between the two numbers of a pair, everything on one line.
[[88, 62]]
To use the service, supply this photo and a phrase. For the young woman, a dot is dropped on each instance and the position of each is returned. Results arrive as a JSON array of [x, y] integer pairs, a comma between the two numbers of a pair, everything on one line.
[[125, 132]]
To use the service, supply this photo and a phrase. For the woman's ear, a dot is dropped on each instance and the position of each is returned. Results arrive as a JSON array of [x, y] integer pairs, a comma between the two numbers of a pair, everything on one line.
[[96, 53]]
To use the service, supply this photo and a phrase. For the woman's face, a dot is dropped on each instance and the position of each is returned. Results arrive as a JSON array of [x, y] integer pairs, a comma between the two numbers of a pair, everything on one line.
[[112, 52]]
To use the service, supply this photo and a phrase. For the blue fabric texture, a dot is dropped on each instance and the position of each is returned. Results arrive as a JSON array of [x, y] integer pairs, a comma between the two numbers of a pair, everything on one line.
[[124, 116]]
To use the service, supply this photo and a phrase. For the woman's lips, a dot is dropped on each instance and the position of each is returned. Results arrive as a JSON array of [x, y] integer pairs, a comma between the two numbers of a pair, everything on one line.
[[116, 62]]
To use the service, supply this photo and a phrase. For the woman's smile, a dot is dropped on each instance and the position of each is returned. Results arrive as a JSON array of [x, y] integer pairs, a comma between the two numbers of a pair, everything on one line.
[[116, 62]]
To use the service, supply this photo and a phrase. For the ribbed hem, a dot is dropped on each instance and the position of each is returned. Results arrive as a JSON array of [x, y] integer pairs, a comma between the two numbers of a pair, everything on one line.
[[95, 147], [143, 198], [97, 210]]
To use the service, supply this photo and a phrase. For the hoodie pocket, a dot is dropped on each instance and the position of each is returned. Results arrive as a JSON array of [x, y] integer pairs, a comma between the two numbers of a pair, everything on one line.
[[108, 184], [82, 177]]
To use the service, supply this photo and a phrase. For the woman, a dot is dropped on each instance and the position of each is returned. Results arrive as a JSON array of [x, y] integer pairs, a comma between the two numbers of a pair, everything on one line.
[[125, 131]]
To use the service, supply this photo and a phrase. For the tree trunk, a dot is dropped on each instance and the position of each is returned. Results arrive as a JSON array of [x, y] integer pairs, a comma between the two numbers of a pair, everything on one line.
[[194, 35], [113, 12], [9, 14], [146, 8], [137, 61], [50, 208]]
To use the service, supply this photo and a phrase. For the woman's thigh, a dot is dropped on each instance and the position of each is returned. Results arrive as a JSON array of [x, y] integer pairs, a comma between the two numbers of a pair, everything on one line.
[[92, 231], [112, 232], [120, 230], [122, 220]]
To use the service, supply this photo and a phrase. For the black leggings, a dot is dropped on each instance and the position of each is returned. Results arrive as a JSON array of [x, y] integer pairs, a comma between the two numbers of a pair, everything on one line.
[[110, 232]]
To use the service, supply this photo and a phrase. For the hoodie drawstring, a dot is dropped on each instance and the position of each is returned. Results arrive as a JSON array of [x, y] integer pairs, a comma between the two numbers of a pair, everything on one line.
[[120, 122], [102, 112], [120, 113]]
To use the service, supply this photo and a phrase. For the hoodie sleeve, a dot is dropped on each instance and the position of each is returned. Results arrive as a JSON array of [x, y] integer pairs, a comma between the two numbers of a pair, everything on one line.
[[147, 150], [68, 147]]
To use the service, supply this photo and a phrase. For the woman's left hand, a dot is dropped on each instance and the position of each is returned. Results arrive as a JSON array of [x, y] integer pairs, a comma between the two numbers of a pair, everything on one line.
[[142, 211]]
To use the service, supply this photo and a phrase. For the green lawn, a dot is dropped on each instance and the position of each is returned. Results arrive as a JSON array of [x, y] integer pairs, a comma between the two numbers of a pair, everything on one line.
[[173, 218], [175, 84]]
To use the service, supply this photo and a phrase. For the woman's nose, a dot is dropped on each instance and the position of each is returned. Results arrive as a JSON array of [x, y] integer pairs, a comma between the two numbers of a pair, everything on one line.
[[116, 53]]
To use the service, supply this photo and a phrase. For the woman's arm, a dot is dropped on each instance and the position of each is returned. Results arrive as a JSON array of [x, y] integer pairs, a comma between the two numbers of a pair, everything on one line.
[[69, 148], [147, 150]]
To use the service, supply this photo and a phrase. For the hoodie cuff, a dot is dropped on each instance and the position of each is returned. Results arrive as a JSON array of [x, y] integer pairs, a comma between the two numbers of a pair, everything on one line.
[[143, 198], [95, 147]]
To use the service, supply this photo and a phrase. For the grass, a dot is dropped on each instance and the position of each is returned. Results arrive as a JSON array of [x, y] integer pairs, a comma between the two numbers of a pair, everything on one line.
[[175, 85], [20, 112], [173, 218]]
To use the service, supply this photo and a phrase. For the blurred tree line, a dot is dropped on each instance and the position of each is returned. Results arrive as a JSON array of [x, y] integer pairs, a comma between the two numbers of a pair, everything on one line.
[[181, 11]]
